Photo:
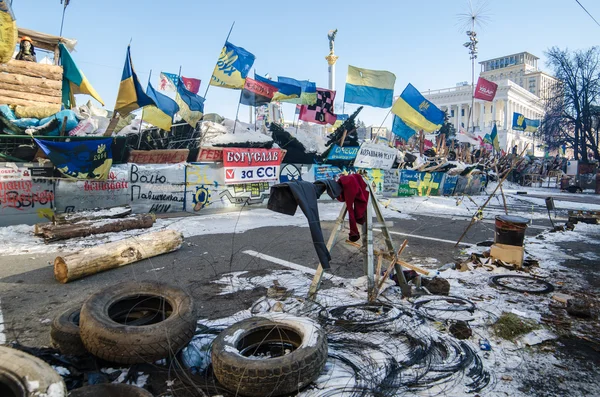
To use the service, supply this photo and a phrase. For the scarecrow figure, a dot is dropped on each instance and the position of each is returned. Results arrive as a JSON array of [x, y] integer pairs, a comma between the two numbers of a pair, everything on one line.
[[26, 50]]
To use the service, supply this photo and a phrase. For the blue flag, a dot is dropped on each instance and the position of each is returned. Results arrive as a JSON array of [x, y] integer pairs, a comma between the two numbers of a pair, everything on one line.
[[90, 159], [418, 112], [285, 92], [402, 130], [308, 94], [191, 106], [161, 114], [131, 96]]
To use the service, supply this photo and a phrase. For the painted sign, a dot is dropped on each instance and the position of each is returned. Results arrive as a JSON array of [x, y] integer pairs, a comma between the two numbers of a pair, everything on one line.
[[326, 171], [371, 155], [157, 188], [209, 154], [10, 172], [391, 180], [25, 200], [251, 165], [419, 183], [89, 194], [290, 172], [342, 153], [376, 179], [169, 156], [449, 185]]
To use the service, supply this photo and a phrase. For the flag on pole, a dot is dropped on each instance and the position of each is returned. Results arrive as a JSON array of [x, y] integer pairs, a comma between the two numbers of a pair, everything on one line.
[[89, 159], [161, 114], [322, 111], [256, 93], [417, 112], [191, 106], [74, 81], [192, 85], [308, 90], [284, 92], [167, 82], [400, 129], [485, 89], [369, 87], [232, 67], [494, 138], [131, 96]]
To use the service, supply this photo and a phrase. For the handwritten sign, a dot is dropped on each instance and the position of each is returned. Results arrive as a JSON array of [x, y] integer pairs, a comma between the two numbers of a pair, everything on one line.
[[170, 156], [157, 188], [210, 154], [371, 155], [25, 200], [342, 153], [251, 165]]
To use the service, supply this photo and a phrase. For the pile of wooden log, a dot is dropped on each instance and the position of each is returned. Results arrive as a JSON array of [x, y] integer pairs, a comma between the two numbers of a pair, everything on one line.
[[30, 84], [81, 224]]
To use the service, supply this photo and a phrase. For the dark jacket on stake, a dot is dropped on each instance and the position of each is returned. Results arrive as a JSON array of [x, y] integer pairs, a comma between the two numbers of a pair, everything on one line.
[[357, 198], [286, 197]]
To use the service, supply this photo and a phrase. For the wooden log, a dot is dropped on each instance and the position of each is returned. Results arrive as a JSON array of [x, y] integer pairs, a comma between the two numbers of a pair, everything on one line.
[[18, 79], [30, 97], [32, 69], [82, 229], [104, 257], [4, 100], [31, 89], [106, 213]]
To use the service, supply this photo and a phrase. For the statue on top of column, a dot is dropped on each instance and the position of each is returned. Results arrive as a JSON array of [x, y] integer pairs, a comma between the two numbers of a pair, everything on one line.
[[331, 36]]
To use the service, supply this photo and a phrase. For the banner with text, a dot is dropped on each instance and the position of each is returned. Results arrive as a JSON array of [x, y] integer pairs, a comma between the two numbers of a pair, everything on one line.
[[342, 153], [371, 155], [251, 165]]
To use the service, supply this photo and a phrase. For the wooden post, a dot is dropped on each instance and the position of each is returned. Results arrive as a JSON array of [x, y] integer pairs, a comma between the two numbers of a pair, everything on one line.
[[370, 271], [110, 256], [82, 229]]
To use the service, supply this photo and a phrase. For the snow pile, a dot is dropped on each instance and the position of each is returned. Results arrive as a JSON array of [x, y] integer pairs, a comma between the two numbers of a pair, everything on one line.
[[216, 134], [313, 143]]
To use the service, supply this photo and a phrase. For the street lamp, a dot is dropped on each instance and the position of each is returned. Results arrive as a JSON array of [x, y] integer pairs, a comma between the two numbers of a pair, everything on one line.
[[471, 45]]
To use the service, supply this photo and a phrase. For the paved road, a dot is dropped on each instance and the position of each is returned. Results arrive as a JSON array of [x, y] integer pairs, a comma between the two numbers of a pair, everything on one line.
[[30, 297]]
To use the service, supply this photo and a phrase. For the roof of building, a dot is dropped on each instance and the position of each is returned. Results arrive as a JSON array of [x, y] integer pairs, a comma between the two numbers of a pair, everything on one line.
[[509, 55]]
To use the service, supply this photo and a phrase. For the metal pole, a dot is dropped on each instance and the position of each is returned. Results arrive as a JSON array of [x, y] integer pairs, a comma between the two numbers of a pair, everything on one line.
[[63, 16], [237, 112], [226, 40], [142, 117]]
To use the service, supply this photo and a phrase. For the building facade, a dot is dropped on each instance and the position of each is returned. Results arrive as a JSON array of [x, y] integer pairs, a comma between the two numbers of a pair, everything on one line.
[[522, 88]]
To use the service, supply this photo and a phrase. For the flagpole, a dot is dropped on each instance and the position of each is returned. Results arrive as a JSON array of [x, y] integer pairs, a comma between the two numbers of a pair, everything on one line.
[[226, 40], [386, 116], [237, 112], [142, 118], [66, 2], [176, 92]]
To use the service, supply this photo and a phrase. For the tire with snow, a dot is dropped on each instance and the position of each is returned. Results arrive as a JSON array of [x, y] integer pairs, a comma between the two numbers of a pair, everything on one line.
[[64, 332], [23, 375], [110, 390], [137, 322], [519, 283], [269, 355]]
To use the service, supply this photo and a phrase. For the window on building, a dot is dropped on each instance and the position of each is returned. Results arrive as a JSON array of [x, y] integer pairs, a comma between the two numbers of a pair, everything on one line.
[[462, 112], [452, 113]]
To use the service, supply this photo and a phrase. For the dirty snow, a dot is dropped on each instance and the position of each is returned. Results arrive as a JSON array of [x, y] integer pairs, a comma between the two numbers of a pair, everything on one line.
[[233, 339], [308, 328]]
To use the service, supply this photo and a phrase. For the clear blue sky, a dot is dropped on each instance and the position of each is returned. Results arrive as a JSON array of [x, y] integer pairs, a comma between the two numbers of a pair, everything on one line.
[[419, 41]]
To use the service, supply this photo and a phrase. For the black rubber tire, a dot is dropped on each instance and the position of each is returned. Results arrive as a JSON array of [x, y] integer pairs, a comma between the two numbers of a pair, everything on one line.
[[547, 286], [270, 376], [64, 332], [19, 370], [110, 390], [145, 341]]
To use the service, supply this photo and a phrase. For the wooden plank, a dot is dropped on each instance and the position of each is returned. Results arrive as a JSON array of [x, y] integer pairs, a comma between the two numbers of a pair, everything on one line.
[[51, 72], [22, 102], [30, 81], [208, 154], [30, 97], [32, 89]]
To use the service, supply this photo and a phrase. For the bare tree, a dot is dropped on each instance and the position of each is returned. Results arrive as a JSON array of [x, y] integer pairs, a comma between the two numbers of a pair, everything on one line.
[[572, 112]]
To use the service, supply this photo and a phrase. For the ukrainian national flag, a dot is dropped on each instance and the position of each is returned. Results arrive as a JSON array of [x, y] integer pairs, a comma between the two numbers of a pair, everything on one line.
[[131, 96], [308, 93], [402, 130], [494, 138], [191, 106], [285, 92], [232, 67], [369, 87], [74, 81], [162, 114], [417, 112]]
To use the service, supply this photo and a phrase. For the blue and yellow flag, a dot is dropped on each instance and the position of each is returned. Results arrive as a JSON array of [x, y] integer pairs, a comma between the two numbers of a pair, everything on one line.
[[191, 106], [89, 159], [74, 81], [522, 123], [161, 114], [232, 67], [402, 130], [417, 112], [369, 87], [494, 138], [308, 93], [131, 96], [285, 92]]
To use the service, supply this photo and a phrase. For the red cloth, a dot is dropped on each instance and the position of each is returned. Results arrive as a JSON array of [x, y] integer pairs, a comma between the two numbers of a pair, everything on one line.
[[357, 198]]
